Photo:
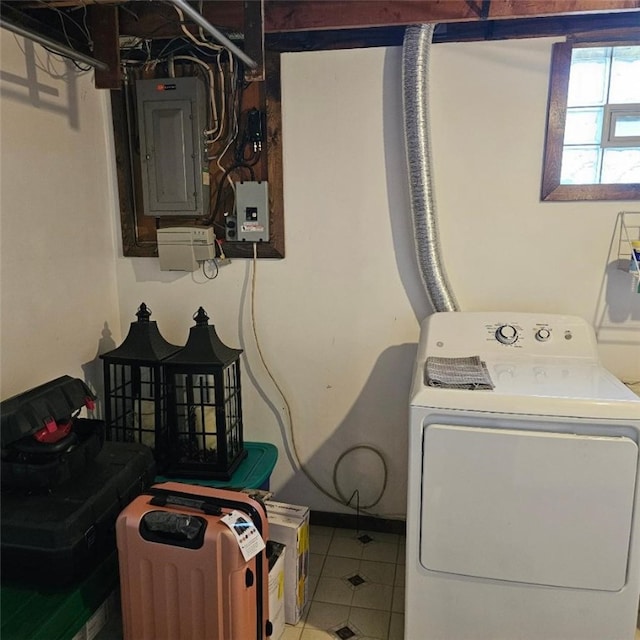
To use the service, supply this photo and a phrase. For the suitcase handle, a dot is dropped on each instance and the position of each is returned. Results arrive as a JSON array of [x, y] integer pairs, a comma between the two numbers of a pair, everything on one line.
[[168, 499], [175, 529], [215, 503]]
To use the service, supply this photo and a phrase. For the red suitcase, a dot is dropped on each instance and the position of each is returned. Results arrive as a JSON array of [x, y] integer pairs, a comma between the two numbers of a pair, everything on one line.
[[182, 573]]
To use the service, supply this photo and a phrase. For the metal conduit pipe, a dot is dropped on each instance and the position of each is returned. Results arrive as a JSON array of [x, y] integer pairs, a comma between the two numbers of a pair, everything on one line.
[[57, 47], [219, 37], [415, 87]]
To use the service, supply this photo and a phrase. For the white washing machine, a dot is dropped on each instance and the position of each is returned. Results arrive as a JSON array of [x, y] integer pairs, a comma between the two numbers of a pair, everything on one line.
[[523, 504]]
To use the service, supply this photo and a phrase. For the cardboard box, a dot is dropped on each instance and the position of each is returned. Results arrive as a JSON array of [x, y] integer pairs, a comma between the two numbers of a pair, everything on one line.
[[289, 525], [276, 553], [95, 624]]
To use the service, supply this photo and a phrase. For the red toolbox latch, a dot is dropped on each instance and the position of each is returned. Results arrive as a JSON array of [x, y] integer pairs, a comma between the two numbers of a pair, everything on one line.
[[53, 431]]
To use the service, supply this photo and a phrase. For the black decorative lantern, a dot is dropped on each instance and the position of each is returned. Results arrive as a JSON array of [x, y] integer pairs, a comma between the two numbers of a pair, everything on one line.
[[134, 387], [205, 405]]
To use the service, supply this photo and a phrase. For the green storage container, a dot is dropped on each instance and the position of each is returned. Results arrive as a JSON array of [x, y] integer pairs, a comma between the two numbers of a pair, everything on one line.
[[254, 472], [55, 614]]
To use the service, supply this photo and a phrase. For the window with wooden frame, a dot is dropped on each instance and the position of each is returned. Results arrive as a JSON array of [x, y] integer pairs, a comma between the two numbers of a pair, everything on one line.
[[592, 147]]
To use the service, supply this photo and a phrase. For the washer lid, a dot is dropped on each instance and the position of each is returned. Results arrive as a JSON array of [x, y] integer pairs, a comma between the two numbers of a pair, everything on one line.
[[558, 387]]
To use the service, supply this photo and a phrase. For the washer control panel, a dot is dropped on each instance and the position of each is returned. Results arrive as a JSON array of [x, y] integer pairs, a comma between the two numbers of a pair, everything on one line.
[[459, 332], [506, 334], [543, 334], [512, 333]]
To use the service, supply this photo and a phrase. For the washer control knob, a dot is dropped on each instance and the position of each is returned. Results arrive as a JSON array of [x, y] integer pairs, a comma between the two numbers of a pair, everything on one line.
[[506, 334], [543, 334]]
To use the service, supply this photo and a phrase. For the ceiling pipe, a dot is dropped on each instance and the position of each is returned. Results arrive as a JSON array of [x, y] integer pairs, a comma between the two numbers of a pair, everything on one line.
[[219, 37], [58, 47]]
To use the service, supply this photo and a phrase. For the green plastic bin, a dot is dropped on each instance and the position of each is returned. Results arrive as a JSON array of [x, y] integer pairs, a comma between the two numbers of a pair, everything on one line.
[[254, 472], [55, 614]]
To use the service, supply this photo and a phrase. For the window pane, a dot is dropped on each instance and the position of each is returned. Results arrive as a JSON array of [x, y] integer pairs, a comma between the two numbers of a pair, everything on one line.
[[579, 165], [596, 138], [583, 126], [621, 166], [588, 76], [627, 126], [625, 75]]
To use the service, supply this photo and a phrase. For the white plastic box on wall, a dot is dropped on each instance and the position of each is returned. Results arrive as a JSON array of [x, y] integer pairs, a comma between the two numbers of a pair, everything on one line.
[[277, 553], [289, 525]]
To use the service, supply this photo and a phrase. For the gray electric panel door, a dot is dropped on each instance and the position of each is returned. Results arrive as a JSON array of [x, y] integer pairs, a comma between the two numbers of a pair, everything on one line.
[[172, 118]]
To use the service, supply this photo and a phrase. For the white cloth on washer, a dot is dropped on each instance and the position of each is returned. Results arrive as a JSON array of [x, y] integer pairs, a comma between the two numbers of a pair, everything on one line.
[[457, 373]]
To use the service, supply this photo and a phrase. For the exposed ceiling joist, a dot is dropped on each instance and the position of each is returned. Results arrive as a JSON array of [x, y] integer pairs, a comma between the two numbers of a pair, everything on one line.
[[289, 25], [309, 15]]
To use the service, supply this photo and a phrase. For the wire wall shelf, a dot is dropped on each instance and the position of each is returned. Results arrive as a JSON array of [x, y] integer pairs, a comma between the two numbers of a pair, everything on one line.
[[628, 260]]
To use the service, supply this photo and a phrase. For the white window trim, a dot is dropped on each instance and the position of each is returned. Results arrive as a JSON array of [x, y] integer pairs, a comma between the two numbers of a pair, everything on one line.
[[611, 113]]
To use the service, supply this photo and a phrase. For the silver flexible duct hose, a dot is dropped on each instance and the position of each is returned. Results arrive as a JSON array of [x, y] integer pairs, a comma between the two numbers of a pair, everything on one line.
[[415, 85]]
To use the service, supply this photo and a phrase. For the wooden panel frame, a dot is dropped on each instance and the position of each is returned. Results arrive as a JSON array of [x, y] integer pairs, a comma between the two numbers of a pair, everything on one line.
[[139, 231], [552, 190]]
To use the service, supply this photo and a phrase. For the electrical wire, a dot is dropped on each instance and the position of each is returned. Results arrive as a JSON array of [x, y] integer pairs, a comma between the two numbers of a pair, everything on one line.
[[47, 66], [339, 498], [63, 15], [183, 26], [218, 49], [204, 271], [83, 28], [216, 125], [211, 219], [222, 256], [234, 107], [385, 469], [75, 63], [233, 115]]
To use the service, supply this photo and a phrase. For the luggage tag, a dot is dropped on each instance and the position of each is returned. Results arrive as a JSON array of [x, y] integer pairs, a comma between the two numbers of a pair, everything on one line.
[[249, 539]]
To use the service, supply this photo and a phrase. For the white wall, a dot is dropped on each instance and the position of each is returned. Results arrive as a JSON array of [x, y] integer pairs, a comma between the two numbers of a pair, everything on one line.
[[334, 321], [57, 252], [504, 248], [338, 318]]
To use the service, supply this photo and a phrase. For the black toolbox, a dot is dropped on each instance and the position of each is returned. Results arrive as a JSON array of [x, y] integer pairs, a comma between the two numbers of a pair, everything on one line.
[[56, 538], [43, 440]]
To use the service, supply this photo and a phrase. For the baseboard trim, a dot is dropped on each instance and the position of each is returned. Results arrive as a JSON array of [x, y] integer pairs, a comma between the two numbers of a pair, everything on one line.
[[352, 521]]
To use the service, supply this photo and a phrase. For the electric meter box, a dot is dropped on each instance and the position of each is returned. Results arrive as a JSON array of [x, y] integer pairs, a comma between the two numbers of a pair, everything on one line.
[[172, 120]]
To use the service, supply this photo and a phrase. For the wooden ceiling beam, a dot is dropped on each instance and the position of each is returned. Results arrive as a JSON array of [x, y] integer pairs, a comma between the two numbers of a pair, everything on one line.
[[310, 15], [501, 9], [103, 25], [254, 38], [155, 19]]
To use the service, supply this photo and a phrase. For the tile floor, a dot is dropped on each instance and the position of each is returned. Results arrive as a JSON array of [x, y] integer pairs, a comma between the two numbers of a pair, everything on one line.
[[368, 607], [356, 587]]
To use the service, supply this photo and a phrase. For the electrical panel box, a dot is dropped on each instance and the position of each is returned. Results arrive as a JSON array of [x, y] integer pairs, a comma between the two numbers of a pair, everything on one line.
[[182, 248], [252, 212], [172, 120]]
